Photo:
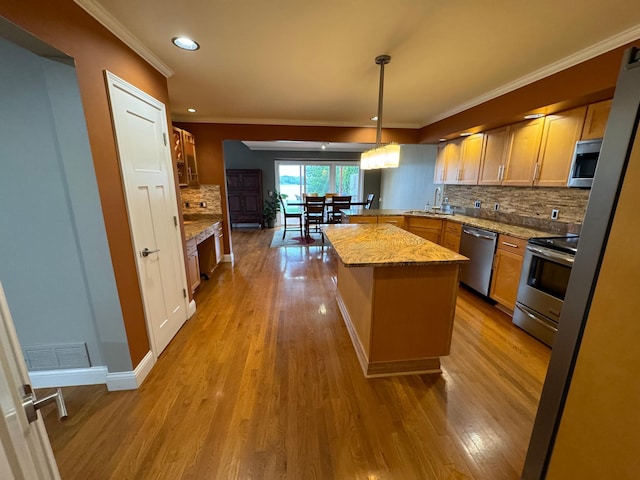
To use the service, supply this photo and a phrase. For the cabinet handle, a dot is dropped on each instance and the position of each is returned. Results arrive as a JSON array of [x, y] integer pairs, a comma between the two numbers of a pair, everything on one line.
[[501, 174], [508, 244], [535, 172]]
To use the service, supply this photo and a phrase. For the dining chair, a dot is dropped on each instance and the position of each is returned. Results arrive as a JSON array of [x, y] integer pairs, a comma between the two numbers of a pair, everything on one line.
[[314, 215], [290, 216], [339, 202], [370, 198]]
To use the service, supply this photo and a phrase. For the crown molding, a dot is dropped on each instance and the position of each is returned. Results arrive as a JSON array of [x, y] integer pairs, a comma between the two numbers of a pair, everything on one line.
[[588, 53], [97, 11], [287, 123]]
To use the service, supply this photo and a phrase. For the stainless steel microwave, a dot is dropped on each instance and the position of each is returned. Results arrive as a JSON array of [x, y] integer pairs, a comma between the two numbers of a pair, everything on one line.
[[583, 165]]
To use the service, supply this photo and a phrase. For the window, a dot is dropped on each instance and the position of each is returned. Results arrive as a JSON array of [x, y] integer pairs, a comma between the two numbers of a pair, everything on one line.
[[294, 178]]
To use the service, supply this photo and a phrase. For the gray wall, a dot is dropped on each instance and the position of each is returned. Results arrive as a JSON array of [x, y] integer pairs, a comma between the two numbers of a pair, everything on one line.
[[410, 186], [55, 264], [238, 155]]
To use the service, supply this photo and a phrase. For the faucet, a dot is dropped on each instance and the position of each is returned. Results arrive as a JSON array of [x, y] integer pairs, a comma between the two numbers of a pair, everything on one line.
[[437, 193]]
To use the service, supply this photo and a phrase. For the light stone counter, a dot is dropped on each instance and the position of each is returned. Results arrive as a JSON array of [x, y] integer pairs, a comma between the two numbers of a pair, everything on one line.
[[499, 227], [386, 245]]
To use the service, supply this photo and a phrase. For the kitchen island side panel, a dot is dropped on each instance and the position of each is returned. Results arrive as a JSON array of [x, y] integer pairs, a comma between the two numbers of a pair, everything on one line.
[[356, 289], [413, 312]]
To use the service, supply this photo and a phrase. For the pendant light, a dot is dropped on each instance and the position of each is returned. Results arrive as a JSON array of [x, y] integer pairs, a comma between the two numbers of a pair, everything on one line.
[[382, 156]]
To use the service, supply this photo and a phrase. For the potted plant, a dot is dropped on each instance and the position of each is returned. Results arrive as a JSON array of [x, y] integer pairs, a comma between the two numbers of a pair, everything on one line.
[[270, 209]]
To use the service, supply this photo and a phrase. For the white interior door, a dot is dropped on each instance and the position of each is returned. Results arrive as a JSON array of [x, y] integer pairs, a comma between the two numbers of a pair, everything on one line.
[[25, 452], [145, 159]]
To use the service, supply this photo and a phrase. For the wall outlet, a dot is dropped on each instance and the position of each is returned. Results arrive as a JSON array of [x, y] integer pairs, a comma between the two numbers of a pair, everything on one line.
[[554, 214], [203, 204], [186, 205], [477, 204], [496, 207]]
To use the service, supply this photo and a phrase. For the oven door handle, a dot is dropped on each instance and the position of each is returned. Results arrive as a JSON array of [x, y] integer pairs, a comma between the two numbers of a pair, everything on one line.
[[551, 255], [529, 313]]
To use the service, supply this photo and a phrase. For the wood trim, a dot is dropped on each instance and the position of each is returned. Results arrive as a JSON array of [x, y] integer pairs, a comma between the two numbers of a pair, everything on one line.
[[403, 367], [357, 346]]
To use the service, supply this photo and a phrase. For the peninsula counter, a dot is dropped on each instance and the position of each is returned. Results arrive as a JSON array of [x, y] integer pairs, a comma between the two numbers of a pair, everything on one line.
[[397, 295]]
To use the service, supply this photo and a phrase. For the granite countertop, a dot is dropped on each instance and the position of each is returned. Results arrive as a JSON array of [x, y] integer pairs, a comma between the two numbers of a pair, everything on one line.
[[524, 233], [195, 224], [384, 245]]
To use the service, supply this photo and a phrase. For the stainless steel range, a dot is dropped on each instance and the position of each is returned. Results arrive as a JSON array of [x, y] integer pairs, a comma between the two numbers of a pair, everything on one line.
[[543, 284]]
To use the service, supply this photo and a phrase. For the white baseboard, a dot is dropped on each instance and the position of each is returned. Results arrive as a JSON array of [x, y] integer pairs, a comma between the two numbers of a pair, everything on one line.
[[71, 377], [227, 258], [131, 380], [68, 377], [191, 309]]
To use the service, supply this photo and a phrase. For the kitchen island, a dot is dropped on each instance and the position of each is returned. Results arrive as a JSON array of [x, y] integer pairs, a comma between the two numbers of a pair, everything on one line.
[[397, 295]]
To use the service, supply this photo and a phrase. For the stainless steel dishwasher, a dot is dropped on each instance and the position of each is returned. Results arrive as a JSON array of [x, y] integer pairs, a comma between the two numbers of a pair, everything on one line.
[[479, 245]]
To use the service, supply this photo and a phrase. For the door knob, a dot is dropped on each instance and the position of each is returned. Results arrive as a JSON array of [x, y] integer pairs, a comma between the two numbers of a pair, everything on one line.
[[146, 252], [31, 404]]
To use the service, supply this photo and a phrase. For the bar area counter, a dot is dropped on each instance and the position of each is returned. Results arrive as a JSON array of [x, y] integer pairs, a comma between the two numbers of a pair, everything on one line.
[[397, 295]]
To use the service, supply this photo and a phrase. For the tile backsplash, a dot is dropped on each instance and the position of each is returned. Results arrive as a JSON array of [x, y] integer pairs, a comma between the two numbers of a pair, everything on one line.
[[526, 206], [193, 196]]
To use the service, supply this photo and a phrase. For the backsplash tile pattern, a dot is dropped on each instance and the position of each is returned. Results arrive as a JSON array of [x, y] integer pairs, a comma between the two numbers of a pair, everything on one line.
[[210, 194], [526, 206]]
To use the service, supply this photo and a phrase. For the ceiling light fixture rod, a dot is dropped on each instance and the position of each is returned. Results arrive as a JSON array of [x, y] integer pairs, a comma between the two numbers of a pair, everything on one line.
[[381, 60]]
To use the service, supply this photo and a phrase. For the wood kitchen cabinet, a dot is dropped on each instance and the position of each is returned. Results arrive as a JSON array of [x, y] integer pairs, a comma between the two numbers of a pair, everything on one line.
[[184, 146], [397, 220], [451, 233], [244, 195], [596, 120], [218, 242], [362, 219], [494, 156], [458, 161], [523, 149], [560, 134], [507, 265], [193, 268], [427, 228]]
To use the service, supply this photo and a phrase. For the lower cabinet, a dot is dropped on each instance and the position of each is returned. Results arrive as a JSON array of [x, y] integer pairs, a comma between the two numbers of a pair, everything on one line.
[[451, 233], [193, 268], [218, 242], [427, 228], [397, 220], [507, 266], [362, 219]]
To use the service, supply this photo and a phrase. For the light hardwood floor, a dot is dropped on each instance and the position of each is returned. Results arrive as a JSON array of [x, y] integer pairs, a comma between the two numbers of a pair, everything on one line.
[[263, 383]]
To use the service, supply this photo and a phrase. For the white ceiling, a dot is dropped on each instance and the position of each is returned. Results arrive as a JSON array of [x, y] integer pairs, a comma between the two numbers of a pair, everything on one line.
[[296, 62]]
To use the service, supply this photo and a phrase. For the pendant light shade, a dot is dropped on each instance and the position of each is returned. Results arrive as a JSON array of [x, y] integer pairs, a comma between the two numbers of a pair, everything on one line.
[[382, 156]]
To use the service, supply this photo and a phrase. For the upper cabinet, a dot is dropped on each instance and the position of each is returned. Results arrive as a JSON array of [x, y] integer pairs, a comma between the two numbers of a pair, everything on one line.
[[596, 121], [458, 161], [184, 145], [533, 153], [523, 149], [561, 132], [494, 156]]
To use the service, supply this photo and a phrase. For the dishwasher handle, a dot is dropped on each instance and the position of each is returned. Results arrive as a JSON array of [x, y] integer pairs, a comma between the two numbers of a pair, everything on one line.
[[479, 235]]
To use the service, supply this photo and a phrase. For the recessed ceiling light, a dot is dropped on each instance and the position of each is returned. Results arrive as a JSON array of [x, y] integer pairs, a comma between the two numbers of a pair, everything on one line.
[[191, 110], [534, 115], [442, 139], [375, 119], [185, 43], [466, 134]]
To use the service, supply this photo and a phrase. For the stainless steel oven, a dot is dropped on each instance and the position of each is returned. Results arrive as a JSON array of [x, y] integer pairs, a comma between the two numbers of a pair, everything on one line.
[[543, 283]]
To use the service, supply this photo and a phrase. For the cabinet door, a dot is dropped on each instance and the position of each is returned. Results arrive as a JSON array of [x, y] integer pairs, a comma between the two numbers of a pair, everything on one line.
[[494, 156], [194, 270], [452, 161], [524, 145], [218, 244], [561, 132], [179, 156], [189, 148], [506, 277], [427, 228], [596, 121], [470, 159], [452, 232], [438, 176]]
